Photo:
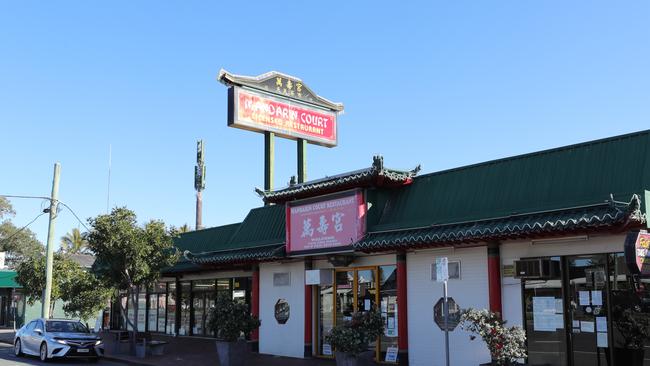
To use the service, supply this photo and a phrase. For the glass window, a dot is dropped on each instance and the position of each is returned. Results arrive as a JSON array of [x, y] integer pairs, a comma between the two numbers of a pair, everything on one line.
[[171, 308], [203, 300], [630, 311], [130, 313], [388, 307], [184, 326], [142, 311], [152, 313], [162, 304]]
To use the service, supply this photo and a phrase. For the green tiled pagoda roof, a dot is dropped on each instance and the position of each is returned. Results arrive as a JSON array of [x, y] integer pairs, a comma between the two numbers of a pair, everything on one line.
[[254, 254], [260, 236], [570, 220], [376, 175]]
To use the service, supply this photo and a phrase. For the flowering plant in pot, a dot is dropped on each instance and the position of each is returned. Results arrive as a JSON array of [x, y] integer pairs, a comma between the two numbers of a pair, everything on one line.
[[506, 345], [350, 340], [231, 322]]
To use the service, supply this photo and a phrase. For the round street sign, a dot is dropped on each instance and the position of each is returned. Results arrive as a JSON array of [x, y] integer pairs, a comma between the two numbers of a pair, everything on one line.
[[439, 315]]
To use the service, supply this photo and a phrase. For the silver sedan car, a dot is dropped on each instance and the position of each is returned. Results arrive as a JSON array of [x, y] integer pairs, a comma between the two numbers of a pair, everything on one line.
[[55, 338]]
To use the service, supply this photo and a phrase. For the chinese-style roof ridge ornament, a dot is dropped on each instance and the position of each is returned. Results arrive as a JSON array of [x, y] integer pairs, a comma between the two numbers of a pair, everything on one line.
[[375, 176], [275, 82]]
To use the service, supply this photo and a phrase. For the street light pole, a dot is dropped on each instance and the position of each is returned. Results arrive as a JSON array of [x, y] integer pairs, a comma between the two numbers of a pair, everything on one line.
[[54, 203]]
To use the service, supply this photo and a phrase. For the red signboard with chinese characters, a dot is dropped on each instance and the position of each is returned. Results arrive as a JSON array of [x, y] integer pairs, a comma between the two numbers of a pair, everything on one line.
[[288, 118], [326, 224], [637, 252]]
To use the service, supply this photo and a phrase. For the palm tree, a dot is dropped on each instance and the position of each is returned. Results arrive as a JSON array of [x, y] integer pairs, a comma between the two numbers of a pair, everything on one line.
[[184, 229], [74, 242]]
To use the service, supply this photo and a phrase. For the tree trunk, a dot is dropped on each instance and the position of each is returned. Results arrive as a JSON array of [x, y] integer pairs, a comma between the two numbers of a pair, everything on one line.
[[134, 296]]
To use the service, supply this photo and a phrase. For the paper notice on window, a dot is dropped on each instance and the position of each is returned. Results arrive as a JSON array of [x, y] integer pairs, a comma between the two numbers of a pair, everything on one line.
[[586, 327], [601, 340], [584, 298], [597, 298], [601, 324], [327, 349], [544, 314], [391, 323], [384, 305], [391, 354], [366, 305], [576, 324], [559, 321], [558, 306]]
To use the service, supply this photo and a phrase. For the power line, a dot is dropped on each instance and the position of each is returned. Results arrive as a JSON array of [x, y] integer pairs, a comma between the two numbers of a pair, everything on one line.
[[49, 199], [22, 228]]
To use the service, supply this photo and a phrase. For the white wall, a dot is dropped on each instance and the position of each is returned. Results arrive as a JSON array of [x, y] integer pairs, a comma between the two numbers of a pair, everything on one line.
[[514, 250], [282, 339], [426, 340]]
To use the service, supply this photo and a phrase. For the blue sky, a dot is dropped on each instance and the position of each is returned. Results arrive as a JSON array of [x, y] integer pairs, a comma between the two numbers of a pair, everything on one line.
[[442, 84]]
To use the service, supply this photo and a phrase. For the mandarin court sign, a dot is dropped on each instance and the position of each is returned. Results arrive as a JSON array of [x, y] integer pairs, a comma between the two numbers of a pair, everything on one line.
[[325, 224], [637, 252], [281, 104]]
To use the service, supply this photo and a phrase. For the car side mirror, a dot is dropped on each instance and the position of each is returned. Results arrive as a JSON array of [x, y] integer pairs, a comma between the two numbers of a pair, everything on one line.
[[38, 331]]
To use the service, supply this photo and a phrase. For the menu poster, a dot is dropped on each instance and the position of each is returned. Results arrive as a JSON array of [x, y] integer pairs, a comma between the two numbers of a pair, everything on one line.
[[391, 354], [327, 349], [601, 324], [586, 327], [584, 298], [601, 340], [391, 323], [597, 298]]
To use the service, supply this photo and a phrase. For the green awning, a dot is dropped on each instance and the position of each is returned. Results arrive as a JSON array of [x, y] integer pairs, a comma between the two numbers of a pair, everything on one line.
[[8, 279]]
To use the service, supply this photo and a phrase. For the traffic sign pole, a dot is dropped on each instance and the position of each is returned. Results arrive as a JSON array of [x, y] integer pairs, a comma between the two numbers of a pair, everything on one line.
[[446, 311]]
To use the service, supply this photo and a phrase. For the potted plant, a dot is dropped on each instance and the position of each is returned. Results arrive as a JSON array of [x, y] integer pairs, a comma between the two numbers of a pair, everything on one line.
[[351, 339], [506, 345], [634, 328], [231, 322]]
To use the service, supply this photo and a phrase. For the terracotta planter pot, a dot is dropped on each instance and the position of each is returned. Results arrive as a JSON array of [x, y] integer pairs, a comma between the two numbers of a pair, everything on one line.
[[233, 353], [631, 357]]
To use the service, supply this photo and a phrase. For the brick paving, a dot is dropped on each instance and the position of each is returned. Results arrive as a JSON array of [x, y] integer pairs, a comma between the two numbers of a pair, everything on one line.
[[192, 351]]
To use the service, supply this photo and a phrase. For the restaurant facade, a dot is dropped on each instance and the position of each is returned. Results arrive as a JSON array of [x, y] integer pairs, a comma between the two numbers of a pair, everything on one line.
[[538, 238]]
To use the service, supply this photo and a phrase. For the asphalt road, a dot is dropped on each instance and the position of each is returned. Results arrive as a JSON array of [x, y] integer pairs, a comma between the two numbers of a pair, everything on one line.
[[7, 358]]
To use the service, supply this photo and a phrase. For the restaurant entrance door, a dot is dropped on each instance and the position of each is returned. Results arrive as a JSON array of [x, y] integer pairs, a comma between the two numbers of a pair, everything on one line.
[[593, 312], [359, 289]]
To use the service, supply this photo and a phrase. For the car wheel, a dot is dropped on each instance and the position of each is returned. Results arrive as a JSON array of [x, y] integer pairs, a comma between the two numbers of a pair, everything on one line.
[[18, 348], [43, 354]]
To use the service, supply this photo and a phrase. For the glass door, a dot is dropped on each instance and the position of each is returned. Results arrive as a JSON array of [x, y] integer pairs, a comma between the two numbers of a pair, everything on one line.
[[544, 320], [588, 310]]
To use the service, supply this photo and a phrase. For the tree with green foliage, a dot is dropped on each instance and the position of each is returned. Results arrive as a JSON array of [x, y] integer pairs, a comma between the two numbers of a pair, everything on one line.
[[74, 242], [128, 257], [19, 245], [82, 293]]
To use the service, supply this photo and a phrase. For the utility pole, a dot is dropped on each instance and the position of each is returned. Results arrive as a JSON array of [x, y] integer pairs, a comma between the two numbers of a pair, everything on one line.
[[302, 160], [269, 160], [54, 203], [199, 182]]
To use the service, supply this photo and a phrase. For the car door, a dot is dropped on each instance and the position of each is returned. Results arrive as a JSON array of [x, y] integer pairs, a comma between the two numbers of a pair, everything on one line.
[[26, 336], [36, 336]]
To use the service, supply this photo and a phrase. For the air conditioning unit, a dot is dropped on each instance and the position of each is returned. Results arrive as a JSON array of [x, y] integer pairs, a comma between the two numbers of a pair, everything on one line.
[[541, 268]]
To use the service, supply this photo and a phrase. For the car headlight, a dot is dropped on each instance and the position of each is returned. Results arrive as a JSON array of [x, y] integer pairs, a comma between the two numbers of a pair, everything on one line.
[[98, 342], [61, 341]]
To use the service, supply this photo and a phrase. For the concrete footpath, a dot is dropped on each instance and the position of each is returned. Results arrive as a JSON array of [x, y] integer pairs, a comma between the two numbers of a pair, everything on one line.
[[190, 352]]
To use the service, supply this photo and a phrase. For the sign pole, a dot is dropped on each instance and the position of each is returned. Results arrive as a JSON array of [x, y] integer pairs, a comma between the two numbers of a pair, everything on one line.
[[446, 311], [269, 152], [302, 160]]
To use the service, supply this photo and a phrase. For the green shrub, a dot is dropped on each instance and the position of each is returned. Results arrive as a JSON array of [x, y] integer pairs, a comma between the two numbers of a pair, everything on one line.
[[354, 335], [230, 320]]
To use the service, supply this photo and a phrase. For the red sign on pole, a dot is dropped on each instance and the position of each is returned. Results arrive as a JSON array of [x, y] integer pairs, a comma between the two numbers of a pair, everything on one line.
[[255, 111], [325, 224], [637, 252]]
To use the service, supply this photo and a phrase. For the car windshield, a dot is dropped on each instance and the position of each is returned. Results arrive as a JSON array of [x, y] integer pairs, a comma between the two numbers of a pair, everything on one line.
[[65, 327]]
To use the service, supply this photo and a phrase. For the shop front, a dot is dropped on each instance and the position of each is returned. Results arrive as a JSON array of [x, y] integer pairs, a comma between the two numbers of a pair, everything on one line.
[[538, 238]]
